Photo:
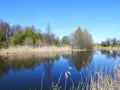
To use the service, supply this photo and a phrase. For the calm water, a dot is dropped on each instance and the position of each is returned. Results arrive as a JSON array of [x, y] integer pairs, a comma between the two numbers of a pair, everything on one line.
[[26, 73]]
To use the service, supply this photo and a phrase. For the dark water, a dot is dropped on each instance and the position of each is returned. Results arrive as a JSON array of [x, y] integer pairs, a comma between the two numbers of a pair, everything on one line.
[[27, 73]]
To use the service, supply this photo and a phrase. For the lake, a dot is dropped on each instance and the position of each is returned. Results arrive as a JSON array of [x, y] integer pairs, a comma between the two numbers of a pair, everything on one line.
[[30, 73]]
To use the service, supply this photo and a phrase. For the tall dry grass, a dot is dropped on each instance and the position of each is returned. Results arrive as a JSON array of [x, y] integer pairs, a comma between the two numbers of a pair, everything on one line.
[[24, 50], [102, 82], [108, 81]]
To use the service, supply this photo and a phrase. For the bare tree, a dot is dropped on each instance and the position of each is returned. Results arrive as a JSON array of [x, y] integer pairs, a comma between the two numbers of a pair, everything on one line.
[[14, 28], [49, 37], [5, 28]]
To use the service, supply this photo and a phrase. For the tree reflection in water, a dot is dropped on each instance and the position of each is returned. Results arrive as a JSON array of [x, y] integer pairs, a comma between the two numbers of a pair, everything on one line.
[[4, 66], [48, 65], [18, 63], [111, 54], [79, 59]]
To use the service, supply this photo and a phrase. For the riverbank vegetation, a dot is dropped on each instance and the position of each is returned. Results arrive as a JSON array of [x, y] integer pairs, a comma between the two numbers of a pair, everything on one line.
[[109, 44], [81, 39], [25, 50], [113, 48], [96, 80], [18, 36]]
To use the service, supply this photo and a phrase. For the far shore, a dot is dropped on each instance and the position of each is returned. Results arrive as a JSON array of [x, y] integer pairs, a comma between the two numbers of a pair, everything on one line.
[[25, 50], [117, 48]]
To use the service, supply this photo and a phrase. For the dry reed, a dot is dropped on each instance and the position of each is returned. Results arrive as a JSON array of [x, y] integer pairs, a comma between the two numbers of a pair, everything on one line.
[[102, 82], [25, 50]]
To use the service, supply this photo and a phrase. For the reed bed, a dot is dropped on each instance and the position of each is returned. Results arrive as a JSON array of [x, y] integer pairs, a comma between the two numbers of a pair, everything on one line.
[[24, 50], [107, 81], [95, 81], [102, 83], [39, 56]]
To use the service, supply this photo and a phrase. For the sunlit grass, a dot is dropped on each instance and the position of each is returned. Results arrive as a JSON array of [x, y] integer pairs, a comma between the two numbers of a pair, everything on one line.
[[114, 48], [23, 50]]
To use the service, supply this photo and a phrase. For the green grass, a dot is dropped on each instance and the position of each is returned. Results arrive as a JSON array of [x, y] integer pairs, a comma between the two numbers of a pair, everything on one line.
[[107, 48]]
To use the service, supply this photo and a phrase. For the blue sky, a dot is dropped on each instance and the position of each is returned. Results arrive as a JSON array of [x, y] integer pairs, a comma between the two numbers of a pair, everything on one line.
[[100, 17]]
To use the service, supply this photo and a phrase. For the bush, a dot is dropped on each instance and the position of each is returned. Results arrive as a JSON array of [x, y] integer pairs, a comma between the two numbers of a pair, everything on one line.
[[65, 40], [2, 39], [18, 37], [57, 42]]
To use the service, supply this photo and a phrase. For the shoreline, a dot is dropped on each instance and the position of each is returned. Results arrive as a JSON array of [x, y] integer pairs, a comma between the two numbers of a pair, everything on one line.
[[25, 50], [106, 48], [22, 50]]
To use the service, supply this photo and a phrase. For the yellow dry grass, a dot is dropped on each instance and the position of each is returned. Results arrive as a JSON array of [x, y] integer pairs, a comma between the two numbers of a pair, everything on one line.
[[26, 50]]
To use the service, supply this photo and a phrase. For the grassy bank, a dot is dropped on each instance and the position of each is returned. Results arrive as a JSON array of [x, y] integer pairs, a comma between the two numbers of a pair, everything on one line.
[[25, 50], [114, 48]]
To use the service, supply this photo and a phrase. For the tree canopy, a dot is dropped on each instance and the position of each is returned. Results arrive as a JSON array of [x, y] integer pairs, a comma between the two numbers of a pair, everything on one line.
[[18, 35], [2, 39], [82, 39], [65, 40]]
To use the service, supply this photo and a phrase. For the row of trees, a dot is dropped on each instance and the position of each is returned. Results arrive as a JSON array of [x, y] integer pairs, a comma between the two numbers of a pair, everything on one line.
[[17, 35], [111, 42]]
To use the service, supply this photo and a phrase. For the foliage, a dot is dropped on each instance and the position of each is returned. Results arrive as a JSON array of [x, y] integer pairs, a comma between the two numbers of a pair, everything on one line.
[[18, 37], [28, 41], [65, 40], [110, 42], [26, 37], [38, 36], [82, 39], [2, 39], [57, 42], [29, 36]]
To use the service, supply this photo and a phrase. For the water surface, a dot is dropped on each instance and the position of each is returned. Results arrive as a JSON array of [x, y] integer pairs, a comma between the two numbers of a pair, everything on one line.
[[26, 73]]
